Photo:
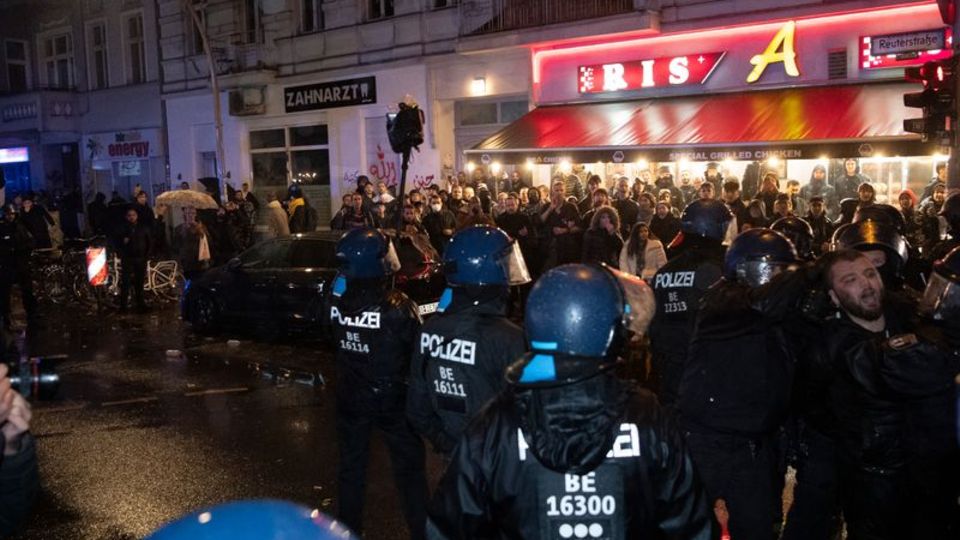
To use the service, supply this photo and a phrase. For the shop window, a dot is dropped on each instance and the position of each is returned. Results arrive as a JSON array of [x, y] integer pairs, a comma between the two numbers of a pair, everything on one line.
[[311, 16], [136, 60], [311, 167], [98, 64], [378, 9], [477, 114], [271, 138], [57, 60], [269, 170], [15, 51], [308, 136], [512, 110]]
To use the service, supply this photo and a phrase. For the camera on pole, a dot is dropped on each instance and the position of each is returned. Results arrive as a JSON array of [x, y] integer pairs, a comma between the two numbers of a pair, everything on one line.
[[405, 131], [937, 100]]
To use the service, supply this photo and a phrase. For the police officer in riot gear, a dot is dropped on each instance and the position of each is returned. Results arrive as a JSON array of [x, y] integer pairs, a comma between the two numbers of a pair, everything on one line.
[[374, 328], [950, 212], [736, 385], [678, 286], [569, 450], [800, 234], [460, 355], [15, 247]]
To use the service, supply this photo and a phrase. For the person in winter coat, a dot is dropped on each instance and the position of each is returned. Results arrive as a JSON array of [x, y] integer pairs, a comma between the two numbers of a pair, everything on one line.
[[276, 219], [568, 449], [133, 245], [818, 187], [664, 225], [303, 218], [97, 214], [602, 242], [847, 184], [15, 247], [192, 244], [643, 254], [37, 221]]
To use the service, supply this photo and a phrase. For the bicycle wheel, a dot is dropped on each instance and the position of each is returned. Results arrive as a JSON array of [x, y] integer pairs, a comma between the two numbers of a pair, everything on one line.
[[54, 285], [166, 280]]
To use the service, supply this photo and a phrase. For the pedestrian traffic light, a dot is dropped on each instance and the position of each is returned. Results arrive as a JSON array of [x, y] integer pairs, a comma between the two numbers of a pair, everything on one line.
[[936, 100]]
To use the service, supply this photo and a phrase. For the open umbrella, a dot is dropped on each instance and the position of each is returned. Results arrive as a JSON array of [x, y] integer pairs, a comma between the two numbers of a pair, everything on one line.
[[187, 198]]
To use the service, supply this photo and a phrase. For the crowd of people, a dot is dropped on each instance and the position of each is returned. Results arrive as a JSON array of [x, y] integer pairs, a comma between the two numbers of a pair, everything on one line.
[[760, 339]]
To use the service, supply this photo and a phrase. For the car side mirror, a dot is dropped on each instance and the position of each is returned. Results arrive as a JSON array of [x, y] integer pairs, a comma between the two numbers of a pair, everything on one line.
[[234, 264]]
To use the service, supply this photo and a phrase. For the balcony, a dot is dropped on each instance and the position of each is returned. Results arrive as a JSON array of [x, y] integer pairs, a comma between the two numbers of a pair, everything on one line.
[[52, 109], [480, 17]]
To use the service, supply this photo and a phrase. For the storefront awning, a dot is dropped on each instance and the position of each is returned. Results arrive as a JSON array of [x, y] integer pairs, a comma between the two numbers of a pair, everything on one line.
[[793, 123]]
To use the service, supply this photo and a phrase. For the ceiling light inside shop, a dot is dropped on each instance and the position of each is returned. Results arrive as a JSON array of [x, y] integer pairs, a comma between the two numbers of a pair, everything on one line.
[[642, 164], [529, 164], [471, 166], [565, 165], [478, 87], [773, 161], [684, 163], [495, 167]]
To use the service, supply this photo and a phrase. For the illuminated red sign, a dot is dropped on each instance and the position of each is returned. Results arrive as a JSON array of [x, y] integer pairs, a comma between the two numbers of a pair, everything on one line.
[[906, 57], [653, 73]]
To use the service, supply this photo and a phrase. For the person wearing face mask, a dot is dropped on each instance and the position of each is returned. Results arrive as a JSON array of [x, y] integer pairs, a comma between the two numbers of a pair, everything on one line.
[[440, 224], [735, 387]]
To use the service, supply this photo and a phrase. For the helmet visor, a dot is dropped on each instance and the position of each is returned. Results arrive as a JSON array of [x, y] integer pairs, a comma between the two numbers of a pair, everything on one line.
[[639, 304], [757, 273], [515, 266], [391, 263], [941, 299]]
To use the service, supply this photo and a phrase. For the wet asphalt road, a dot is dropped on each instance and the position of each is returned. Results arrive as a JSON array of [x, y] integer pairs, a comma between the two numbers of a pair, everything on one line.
[[137, 437]]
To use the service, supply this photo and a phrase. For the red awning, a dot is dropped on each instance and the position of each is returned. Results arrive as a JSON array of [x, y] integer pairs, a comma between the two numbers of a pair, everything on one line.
[[840, 121]]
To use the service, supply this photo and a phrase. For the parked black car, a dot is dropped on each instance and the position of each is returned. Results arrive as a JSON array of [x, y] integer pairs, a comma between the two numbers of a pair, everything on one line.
[[282, 285]]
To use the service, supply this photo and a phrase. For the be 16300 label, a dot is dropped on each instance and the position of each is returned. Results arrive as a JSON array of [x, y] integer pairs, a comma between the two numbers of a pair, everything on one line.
[[582, 506]]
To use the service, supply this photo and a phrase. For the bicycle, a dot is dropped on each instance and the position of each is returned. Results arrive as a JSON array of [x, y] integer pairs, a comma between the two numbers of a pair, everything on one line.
[[49, 275], [163, 278]]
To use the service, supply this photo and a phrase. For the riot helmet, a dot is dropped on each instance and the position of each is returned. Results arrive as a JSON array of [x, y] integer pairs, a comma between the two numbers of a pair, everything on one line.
[[800, 234], [941, 299], [578, 319], [254, 520], [756, 255], [294, 191], [870, 235], [365, 253], [708, 218], [848, 207], [951, 213], [484, 255], [884, 213]]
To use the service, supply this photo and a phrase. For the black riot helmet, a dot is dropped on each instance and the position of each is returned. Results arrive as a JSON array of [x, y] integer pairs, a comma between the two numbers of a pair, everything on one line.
[[848, 207], [870, 235], [882, 212], [941, 299], [706, 218], [951, 213], [756, 255], [799, 232]]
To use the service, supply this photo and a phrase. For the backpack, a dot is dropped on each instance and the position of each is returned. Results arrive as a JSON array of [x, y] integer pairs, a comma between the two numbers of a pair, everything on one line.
[[311, 220]]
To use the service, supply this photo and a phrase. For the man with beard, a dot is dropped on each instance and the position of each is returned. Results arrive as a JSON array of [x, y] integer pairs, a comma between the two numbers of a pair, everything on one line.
[[713, 176], [818, 187], [847, 184], [585, 204], [629, 210], [688, 190], [890, 390], [665, 182], [821, 225]]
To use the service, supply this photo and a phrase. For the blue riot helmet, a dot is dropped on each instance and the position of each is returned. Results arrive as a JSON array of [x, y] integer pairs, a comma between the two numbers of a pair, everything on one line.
[[707, 218], [365, 253], [941, 299], [578, 319], [800, 234], [254, 520], [870, 235], [484, 255], [756, 255]]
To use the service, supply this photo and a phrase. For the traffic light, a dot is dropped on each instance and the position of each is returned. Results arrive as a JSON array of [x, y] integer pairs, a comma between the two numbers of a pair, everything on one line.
[[936, 100]]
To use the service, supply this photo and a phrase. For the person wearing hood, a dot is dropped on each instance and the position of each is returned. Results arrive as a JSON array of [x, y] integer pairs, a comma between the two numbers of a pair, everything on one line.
[[665, 182], [460, 354], [820, 224], [276, 218], [302, 216], [950, 214], [818, 187], [714, 176], [569, 449], [769, 191], [847, 184], [932, 226], [911, 217], [939, 179]]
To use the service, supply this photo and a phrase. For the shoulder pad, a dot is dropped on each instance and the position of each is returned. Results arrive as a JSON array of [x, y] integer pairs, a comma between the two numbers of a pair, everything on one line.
[[399, 301]]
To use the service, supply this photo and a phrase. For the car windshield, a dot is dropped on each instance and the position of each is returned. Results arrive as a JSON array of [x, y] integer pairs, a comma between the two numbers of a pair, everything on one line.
[[269, 254]]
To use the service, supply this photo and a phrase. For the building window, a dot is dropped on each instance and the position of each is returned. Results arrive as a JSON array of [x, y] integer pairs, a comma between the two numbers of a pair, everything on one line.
[[300, 155], [437, 4], [197, 33], [251, 21], [97, 37], [311, 16], [17, 72], [377, 9], [136, 62], [58, 60], [482, 113]]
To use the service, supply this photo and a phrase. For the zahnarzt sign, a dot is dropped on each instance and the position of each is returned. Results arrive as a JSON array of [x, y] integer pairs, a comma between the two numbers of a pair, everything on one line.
[[328, 95]]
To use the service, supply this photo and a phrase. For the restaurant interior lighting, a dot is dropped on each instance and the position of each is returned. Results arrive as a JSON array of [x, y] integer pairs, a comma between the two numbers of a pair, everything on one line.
[[938, 157], [495, 167], [728, 162], [684, 163], [643, 164], [565, 165], [471, 166], [529, 164], [478, 87], [773, 161]]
